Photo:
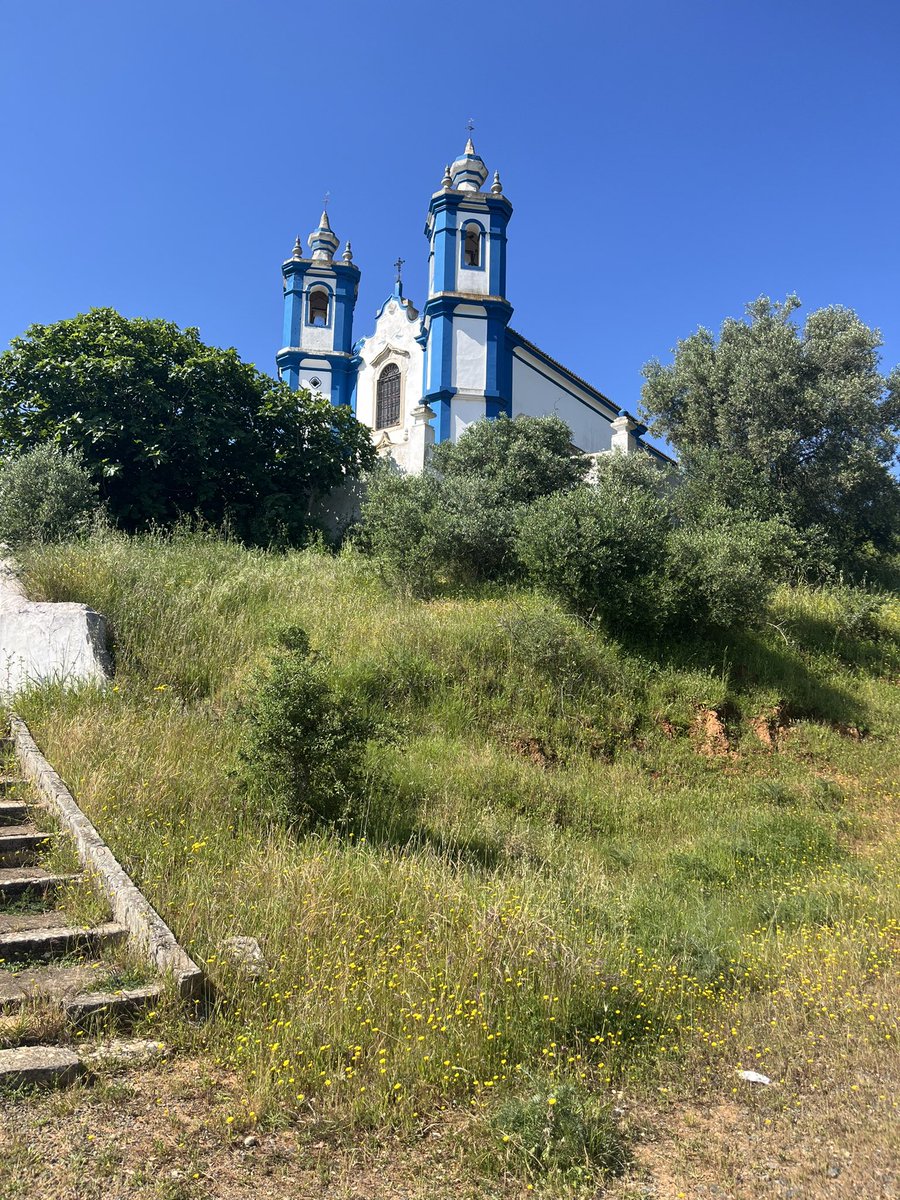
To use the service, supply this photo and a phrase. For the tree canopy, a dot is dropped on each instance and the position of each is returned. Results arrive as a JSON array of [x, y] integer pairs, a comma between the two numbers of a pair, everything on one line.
[[169, 426], [798, 420], [520, 459]]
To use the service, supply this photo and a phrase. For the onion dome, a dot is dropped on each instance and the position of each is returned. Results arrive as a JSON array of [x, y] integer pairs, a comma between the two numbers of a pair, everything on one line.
[[468, 172], [322, 241]]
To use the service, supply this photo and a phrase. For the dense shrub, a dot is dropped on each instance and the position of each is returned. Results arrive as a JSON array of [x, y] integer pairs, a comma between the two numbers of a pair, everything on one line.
[[722, 572], [304, 742], [602, 550], [170, 427], [425, 531], [522, 458], [46, 495]]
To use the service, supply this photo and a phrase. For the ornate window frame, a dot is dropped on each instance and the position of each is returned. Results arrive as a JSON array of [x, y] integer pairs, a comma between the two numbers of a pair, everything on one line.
[[400, 359]]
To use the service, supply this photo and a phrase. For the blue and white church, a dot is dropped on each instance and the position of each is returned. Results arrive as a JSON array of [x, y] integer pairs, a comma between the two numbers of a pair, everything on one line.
[[424, 377]]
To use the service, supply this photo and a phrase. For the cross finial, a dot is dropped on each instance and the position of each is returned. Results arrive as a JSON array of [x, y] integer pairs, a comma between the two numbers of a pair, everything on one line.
[[399, 265], [470, 126], [325, 200]]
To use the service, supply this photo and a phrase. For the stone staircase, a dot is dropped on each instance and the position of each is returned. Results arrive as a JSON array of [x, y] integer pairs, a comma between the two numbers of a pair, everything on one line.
[[66, 968]]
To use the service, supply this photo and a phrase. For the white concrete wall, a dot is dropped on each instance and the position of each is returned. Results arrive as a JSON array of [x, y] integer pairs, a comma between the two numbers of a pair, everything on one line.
[[463, 413], [537, 394], [47, 643], [469, 368]]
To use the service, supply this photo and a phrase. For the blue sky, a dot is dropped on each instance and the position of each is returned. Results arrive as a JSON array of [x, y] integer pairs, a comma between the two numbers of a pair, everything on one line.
[[667, 162]]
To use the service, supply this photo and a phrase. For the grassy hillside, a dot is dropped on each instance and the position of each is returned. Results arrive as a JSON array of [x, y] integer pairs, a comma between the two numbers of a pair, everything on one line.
[[583, 868]]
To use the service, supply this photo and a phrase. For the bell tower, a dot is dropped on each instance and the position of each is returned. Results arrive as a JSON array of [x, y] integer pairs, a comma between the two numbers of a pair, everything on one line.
[[319, 298], [468, 373]]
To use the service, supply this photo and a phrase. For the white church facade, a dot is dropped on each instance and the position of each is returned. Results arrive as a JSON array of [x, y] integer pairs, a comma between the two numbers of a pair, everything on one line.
[[422, 378]]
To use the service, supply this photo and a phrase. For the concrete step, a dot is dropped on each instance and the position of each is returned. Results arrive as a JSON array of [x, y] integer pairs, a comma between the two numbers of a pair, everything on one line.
[[50, 984], [39, 1066], [22, 844], [13, 812], [9, 783], [55, 943], [15, 921], [125, 1003], [31, 881]]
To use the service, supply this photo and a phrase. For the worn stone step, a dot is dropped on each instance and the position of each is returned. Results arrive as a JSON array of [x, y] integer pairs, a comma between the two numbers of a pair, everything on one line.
[[22, 844], [13, 812], [54, 943], [39, 1066], [127, 1002], [51, 918], [31, 881], [52, 984]]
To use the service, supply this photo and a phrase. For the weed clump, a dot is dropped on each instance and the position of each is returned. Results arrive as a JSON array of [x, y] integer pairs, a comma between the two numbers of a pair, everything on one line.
[[559, 1129]]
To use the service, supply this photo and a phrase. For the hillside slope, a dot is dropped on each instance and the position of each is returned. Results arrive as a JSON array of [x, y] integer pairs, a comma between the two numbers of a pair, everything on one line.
[[583, 877]]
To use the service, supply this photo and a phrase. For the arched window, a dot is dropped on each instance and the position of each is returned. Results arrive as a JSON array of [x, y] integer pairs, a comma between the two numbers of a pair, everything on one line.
[[318, 306], [387, 407], [472, 247]]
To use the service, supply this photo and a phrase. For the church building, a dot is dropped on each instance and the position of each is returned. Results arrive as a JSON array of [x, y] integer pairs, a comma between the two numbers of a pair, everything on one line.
[[421, 378]]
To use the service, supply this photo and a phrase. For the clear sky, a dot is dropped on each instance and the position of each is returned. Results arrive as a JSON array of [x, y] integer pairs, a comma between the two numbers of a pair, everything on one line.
[[667, 162]]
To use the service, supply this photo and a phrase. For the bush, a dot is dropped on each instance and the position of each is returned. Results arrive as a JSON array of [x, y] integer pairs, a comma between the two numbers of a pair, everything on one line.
[[305, 742], [170, 427], [602, 550], [46, 495], [426, 530], [723, 574], [522, 458]]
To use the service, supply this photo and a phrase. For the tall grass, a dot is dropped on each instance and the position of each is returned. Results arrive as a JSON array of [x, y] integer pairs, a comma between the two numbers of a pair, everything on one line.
[[553, 874]]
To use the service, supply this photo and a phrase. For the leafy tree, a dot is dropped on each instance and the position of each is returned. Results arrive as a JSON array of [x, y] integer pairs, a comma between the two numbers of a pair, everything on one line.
[[794, 420], [169, 426], [45, 496], [522, 458]]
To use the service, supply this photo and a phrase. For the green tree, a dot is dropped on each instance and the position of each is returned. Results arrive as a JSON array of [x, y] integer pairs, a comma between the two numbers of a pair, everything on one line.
[[779, 418], [168, 426], [522, 459]]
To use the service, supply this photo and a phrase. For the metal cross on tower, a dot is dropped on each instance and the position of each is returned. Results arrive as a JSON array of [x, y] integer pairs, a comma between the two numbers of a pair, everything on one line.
[[325, 200], [470, 126], [399, 265]]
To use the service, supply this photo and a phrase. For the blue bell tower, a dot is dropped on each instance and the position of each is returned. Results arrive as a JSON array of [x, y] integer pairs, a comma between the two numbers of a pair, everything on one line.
[[319, 298], [468, 368]]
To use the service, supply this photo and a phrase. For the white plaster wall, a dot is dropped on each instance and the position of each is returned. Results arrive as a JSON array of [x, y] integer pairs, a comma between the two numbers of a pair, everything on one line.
[[315, 337], [463, 413], [536, 395], [469, 371], [394, 340], [321, 372]]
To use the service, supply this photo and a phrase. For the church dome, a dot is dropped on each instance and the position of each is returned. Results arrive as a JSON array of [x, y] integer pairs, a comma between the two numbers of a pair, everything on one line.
[[468, 172]]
